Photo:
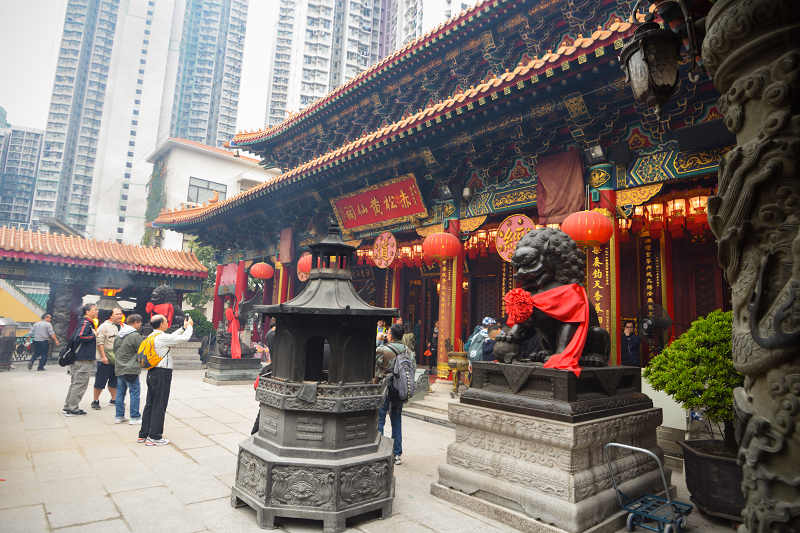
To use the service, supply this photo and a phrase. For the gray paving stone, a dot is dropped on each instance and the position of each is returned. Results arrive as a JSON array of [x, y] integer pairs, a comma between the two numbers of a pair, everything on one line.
[[10, 413], [180, 410], [12, 434], [106, 526], [164, 512], [229, 440], [30, 519], [219, 517], [41, 440], [19, 458], [187, 438], [208, 426], [105, 446], [125, 473], [19, 488], [89, 424], [217, 460], [226, 416], [60, 465], [192, 483], [93, 505]]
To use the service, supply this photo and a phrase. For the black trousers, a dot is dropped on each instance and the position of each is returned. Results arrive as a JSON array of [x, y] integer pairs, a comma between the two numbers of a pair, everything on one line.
[[159, 381]]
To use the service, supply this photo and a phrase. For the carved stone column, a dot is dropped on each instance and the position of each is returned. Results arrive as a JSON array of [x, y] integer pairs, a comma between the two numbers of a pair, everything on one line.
[[62, 306], [751, 48]]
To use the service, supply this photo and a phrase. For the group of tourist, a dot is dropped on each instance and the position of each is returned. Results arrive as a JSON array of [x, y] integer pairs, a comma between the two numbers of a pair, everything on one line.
[[113, 347]]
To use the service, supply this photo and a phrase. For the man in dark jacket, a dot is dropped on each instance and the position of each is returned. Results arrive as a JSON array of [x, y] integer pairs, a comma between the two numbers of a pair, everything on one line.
[[127, 369], [85, 352], [631, 345], [488, 344]]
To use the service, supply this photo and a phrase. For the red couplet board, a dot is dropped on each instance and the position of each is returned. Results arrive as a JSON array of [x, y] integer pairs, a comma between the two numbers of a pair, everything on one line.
[[394, 201]]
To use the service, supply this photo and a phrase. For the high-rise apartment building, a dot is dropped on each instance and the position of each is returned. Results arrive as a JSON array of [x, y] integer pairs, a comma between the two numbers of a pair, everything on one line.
[[319, 45], [209, 71], [20, 152], [128, 74], [3, 118], [411, 18]]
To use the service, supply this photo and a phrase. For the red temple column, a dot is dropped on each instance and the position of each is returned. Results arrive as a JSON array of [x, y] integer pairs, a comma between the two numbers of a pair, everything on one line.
[[219, 305], [241, 283], [445, 316]]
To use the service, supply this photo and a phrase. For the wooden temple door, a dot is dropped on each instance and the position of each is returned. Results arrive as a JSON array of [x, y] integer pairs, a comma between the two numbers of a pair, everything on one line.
[[485, 301]]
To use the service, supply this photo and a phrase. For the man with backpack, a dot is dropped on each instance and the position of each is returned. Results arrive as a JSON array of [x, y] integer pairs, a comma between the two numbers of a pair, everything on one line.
[[84, 339], [395, 365], [127, 369], [474, 346], [159, 377]]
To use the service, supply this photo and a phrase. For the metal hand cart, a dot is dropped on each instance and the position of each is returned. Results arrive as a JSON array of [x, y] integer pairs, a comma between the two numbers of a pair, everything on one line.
[[669, 515]]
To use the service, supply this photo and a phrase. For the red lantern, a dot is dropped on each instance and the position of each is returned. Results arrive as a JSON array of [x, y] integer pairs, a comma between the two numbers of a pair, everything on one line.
[[304, 264], [441, 246], [588, 228], [262, 271]]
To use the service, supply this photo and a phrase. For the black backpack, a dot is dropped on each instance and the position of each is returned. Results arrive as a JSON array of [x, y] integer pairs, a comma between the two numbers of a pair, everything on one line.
[[67, 355], [403, 384]]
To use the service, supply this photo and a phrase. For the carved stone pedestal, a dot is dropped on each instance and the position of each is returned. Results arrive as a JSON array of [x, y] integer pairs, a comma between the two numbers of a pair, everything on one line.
[[227, 371], [536, 474], [319, 458]]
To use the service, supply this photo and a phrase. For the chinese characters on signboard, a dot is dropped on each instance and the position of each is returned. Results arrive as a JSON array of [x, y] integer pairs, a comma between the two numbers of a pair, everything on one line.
[[384, 250], [509, 234], [393, 201], [599, 283]]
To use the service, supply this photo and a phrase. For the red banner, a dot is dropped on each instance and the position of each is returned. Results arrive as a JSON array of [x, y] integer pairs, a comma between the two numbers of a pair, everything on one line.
[[391, 202]]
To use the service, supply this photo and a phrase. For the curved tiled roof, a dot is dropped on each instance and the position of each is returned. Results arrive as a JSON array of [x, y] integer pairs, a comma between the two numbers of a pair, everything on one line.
[[46, 247], [423, 41], [508, 80]]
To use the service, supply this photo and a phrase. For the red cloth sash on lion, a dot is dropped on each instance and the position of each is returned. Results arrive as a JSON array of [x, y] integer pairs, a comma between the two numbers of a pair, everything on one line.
[[567, 304], [161, 309], [233, 329]]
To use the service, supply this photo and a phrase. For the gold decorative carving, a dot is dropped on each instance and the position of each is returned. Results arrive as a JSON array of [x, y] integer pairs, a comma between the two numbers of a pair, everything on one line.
[[689, 162], [517, 197], [637, 195], [598, 177], [576, 106], [471, 224]]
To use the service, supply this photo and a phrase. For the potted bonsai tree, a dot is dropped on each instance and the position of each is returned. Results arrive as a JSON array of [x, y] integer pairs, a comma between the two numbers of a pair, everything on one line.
[[697, 371]]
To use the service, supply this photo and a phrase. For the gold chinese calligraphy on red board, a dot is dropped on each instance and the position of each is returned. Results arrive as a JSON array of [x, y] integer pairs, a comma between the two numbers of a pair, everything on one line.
[[390, 202], [509, 233], [384, 250]]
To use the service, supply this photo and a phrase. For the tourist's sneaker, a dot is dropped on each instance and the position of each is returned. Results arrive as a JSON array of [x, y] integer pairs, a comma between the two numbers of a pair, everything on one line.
[[112, 402], [397, 460], [30, 365], [96, 405], [135, 422], [40, 369], [159, 442], [140, 440], [76, 412], [120, 420], [64, 411]]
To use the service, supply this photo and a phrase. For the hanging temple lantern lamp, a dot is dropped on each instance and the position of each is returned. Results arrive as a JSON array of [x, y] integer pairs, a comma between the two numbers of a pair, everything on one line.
[[650, 58], [441, 246], [589, 229], [262, 271]]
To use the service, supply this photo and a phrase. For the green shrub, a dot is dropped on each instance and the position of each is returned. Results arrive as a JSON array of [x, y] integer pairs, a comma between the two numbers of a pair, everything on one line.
[[202, 325], [697, 369]]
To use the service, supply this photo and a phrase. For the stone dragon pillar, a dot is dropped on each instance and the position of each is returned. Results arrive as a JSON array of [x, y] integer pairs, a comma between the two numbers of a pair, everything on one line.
[[752, 50]]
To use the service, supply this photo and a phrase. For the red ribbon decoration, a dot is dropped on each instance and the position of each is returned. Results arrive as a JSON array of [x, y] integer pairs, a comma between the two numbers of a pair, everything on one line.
[[567, 304], [519, 305], [161, 309], [233, 329]]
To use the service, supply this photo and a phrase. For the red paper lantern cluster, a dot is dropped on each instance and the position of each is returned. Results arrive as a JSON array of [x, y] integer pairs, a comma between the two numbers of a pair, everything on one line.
[[588, 228], [262, 271], [441, 246]]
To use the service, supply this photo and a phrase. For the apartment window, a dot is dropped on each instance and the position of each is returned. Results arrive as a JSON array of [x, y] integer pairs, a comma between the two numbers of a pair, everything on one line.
[[147, 32], [130, 154], [135, 111], [123, 208], [119, 230], [125, 186], [122, 219], [140, 81], [143, 61], [138, 91], [146, 41], [128, 175], [144, 51], [148, 22], [129, 165], [124, 196], [134, 122], [203, 190], [141, 71], [131, 143], [133, 132], [137, 102]]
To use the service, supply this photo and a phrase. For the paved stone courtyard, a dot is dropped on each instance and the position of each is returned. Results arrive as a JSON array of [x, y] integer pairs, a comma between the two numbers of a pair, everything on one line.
[[87, 474]]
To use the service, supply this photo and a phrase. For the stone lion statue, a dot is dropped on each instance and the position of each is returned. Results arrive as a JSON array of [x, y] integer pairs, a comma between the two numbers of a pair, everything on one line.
[[164, 301], [548, 264]]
